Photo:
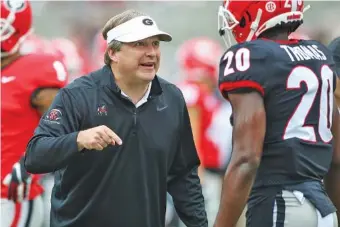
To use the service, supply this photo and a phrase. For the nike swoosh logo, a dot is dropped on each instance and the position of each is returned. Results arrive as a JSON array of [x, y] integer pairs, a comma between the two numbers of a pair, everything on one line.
[[7, 79], [161, 108]]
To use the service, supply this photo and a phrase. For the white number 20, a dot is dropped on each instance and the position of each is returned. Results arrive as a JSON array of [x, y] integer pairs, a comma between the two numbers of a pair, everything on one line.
[[296, 125], [242, 62]]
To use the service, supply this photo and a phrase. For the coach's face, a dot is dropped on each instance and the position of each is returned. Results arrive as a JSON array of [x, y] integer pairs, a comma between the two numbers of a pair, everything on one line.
[[140, 59]]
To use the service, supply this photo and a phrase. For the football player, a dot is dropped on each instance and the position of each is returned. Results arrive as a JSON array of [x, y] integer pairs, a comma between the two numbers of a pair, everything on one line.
[[37, 44], [70, 57], [200, 69], [199, 66], [29, 84], [285, 122]]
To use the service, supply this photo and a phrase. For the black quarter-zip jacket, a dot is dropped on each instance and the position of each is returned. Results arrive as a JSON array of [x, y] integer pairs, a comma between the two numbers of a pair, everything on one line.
[[121, 186]]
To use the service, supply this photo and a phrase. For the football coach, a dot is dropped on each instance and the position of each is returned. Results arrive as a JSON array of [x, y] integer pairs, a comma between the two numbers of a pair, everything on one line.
[[120, 138]]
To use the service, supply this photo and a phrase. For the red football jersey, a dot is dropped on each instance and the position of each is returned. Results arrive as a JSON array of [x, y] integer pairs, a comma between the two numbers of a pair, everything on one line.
[[197, 96], [18, 118]]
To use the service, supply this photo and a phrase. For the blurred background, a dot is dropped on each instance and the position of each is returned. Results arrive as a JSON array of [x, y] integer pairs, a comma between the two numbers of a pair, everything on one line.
[[75, 27], [81, 20]]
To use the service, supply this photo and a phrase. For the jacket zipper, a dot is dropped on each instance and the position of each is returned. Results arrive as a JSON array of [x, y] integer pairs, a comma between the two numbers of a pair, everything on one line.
[[135, 116]]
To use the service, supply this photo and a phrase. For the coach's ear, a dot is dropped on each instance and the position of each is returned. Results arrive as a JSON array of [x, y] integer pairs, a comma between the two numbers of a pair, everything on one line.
[[113, 55]]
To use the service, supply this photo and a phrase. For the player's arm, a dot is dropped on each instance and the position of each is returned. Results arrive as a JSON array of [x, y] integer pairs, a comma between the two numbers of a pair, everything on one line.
[[249, 120], [332, 181], [55, 140], [242, 81], [183, 181], [50, 77], [42, 98]]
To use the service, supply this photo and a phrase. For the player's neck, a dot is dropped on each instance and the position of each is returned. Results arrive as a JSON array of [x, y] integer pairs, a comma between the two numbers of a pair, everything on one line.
[[9, 59], [276, 36]]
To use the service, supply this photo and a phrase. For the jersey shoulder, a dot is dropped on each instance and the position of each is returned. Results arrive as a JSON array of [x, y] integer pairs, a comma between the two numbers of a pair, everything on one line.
[[36, 59], [325, 55], [319, 48], [46, 70], [334, 48], [330, 57], [245, 65], [259, 48]]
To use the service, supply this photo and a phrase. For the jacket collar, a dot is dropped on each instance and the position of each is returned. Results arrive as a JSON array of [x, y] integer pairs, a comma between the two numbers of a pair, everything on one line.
[[107, 79]]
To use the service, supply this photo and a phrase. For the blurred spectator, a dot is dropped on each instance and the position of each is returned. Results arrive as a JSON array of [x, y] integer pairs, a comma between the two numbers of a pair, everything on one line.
[[70, 56], [198, 59]]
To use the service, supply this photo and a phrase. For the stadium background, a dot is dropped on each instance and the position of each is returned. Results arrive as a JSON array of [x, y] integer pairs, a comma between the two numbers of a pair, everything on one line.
[[183, 19], [80, 21]]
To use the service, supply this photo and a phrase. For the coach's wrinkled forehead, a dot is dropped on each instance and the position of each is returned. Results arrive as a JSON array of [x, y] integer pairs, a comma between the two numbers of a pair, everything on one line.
[[136, 29]]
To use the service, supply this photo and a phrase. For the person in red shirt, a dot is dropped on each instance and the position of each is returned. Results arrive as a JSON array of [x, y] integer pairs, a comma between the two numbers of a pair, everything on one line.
[[198, 60], [28, 86], [70, 56], [35, 43]]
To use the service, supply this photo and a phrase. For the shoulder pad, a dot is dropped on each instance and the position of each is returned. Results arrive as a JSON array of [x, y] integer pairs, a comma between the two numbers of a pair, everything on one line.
[[244, 66]]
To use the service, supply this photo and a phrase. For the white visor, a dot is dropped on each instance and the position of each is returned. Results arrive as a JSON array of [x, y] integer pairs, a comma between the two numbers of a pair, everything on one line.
[[137, 29]]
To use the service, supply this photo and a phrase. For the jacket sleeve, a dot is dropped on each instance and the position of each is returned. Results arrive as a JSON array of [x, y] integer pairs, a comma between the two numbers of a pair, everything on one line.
[[55, 139], [183, 181]]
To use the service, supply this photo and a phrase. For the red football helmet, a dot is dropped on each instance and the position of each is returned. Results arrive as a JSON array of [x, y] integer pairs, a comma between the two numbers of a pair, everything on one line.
[[248, 19], [16, 23], [199, 57]]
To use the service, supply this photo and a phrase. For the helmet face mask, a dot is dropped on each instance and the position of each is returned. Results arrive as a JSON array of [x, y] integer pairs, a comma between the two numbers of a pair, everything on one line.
[[226, 22], [227, 19], [6, 29], [246, 20]]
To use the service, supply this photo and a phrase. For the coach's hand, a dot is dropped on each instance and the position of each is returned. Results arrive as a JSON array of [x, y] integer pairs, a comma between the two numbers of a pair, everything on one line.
[[18, 182], [97, 138]]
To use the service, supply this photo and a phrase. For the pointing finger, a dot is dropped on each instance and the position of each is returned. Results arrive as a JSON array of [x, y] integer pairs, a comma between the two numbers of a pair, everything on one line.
[[105, 137], [113, 136]]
